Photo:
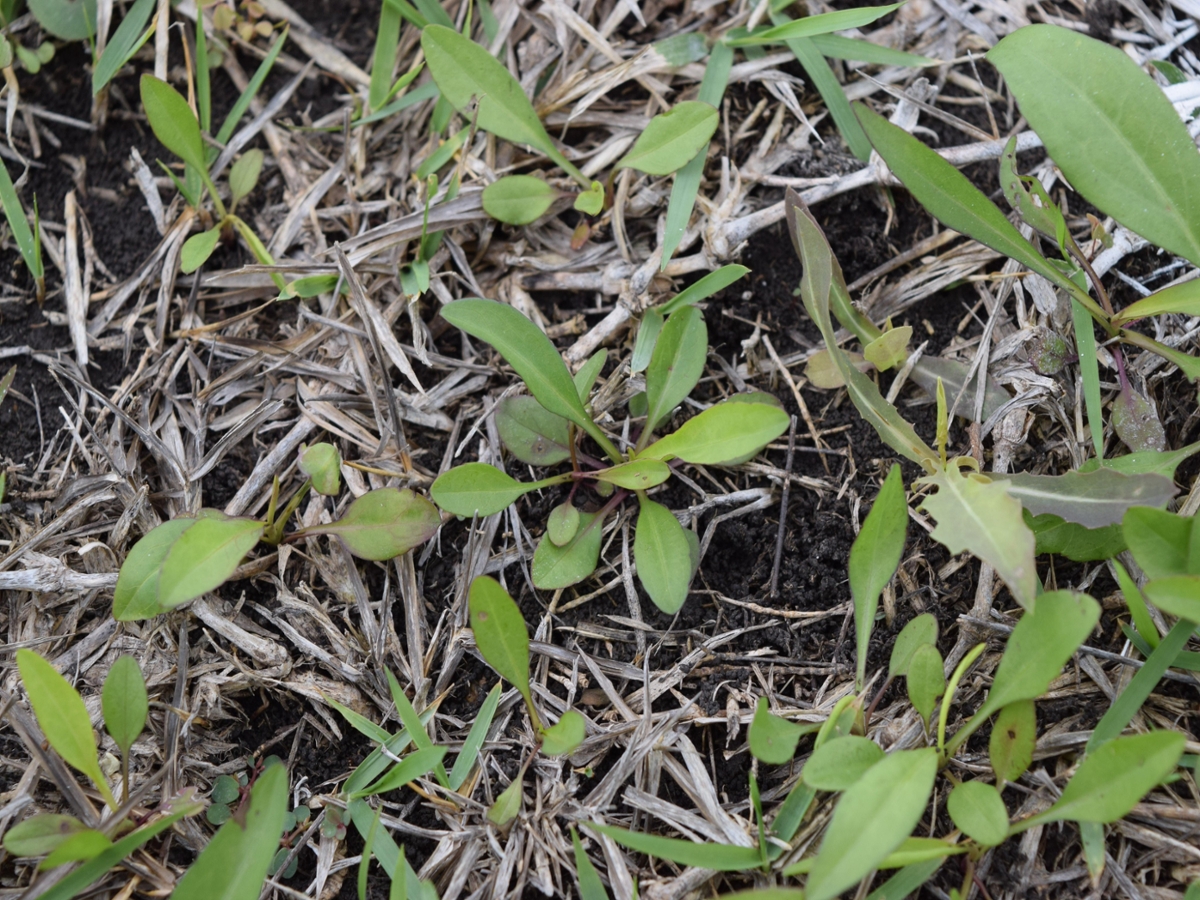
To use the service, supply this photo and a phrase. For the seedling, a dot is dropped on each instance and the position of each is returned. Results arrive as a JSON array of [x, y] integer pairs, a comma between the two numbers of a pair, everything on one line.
[[544, 430], [188, 556]]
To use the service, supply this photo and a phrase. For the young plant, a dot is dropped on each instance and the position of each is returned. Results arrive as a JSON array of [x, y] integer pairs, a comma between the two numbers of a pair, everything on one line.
[[191, 555], [544, 429]]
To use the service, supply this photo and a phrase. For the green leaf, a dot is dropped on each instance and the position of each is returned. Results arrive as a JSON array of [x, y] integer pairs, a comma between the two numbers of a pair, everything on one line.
[[977, 810], [874, 557], [87, 844], [413, 724], [508, 805], [585, 378], [234, 864], [518, 199], [591, 201], [204, 556], [841, 762], [1014, 735], [676, 364], [172, 121], [384, 523], [1089, 372], [926, 680], [479, 489], [1180, 298], [124, 702], [565, 735], [563, 523], [890, 349], [416, 765], [1148, 462], [721, 433], [1027, 196], [872, 819], [920, 630], [773, 739], [136, 592], [1053, 535], [41, 834], [252, 88], [243, 175], [978, 515], [198, 248], [710, 284], [530, 353], [907, 880], [1136, 422], [67, 21], [1110, 781], [1093, 499], [465, 761], [559, 567], [1110, 129], [718, 857], [14, 212], [465, 73], [322, 463], [383, 59], [225, 790], [660, 552], [825, 23], [1178, 595], [500, 633], [837, 47], [1158, 540], [1138, 611], [122, 44], [590, 885], [672, 138], [532, 433], [635, 475], [62, 717]]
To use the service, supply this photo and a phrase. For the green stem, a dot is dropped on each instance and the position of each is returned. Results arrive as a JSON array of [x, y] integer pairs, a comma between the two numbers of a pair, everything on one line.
[[944, 714], [257, 248]]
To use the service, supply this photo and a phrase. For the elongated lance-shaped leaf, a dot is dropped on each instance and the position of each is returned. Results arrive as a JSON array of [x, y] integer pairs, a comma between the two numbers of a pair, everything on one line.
[[173, 122], [466, 73], [826, 82], [384, 523], [676, 365], [825, 23], [635, 475], [1089, 372], [718, 857], [416, 765], [122, 44], [721, 434], [1111, 130], [204, 555], [858, 50], [479, 489], [590, 885], [469, 754], [124, 702], [136, 594], [660, 551], [383, 60], [672, 138], [815, 288], [874, 557], [500, 632], [14, 212], [1183, 299], [252, 88], [705, 287], [530, 353], [958, 204], [1094, 499]]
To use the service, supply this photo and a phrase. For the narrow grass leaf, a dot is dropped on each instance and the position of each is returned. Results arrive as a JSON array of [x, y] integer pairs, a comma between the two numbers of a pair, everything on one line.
[[518, 199], [122, 44], [825, 23], [874, 557], [920, 630], [532, 433], [413, 724], [416, 765], [14, 212], [772, 738], [809, 55], [710, 284], [906, 881], [252, 88], [500, 633], [676, 364], [590, 885], [1014, 735], [478, 489], [565, 735], [837, 47], [204, 556], [469, 754], [721, 433], [585, 377], [1093, 499], [124, 702], [559, 567], [384, 523], [383, 59], [672, 138], [841, 762], [916, 850], [660, 552], [717, 857]]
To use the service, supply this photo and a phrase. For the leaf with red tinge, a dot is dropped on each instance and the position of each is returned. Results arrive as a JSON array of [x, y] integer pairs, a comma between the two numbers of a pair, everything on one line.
[[1136, 422]]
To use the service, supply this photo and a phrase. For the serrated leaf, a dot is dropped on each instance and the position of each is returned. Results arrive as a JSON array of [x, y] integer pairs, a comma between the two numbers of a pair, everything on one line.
[[1054, 535], [559, 567], [672, 138], [772, 738], [204, 556], [841, 762], [500, 633], [721, 433], [41, 834], [1158, 540], [810, 26], [1136, 422], [871, 820], [565, 735], [562, 523], [920, 630], [660, 552], [925, 680], [980, 516], [478, 489], [531, 432], [173, 122], [635, 475], [1014, 735], [676, 364], [1183, 299], [1093, 499], [518, 199], [874, 556], [717, 857], [978, 811], [243, 174], [384, 523], [124, 702], [1110, 129], [323, 464], [197, 249]]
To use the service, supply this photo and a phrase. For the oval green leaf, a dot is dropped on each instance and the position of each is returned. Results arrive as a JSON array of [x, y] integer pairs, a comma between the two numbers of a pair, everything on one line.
[[978, 811], [124, 702], [518, 199], [531, 432], [172, 121], [204, 556], [243, 175], [1159, 540], [197, 249], [672, 139], [385, 523], [661, 552], [565, 735], [68, 20], [1014, 736], [926, 680], [773, 739], [41, 834], [721, 433], [500, 633], [811, 26], [635, 475], [841, 762], [676, 364], [920, 630], [477, 489], [1178, 595], [563, 523], [323, 464], [136, 594], [559, 567]]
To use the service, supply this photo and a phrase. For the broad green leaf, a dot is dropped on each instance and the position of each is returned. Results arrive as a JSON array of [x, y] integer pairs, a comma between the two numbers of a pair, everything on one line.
[[1014, 735], [837, 47], [672, 138], [243, 175], [62, 716], [559, 567], [676, 364], [323, 464], [1145, 463], [585, 378], [416, 765], [660, 552], [1178, 595], [1136, 422], [507, 806], [588, 879], [920, 630], [87, 844], [978, 515], [721, 433], [532, 433], [384, 523], [1110, 129], [718, 857], [469, 754], [173, 122], [67, 20], [890, 349], [1110, 781], [874, 557], [198, 248], [204, 556], [530, 353], [925, 680], [809, 26], [500, 633], [565, 735], [591, 201], [41, 834], [1092, 499], [907, 880], [872, 819], [479, 489], [815, 289], [1158, 540], [710, 284], [978, 811], [122, 44], [234, 864], [773, 739], [518, 199], [635, 475], [467, 74], [563, 523], [136, 594], [1180, 298], [647, 340], [225, 789], [841, 762], [1053, 535], [124, 702]]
